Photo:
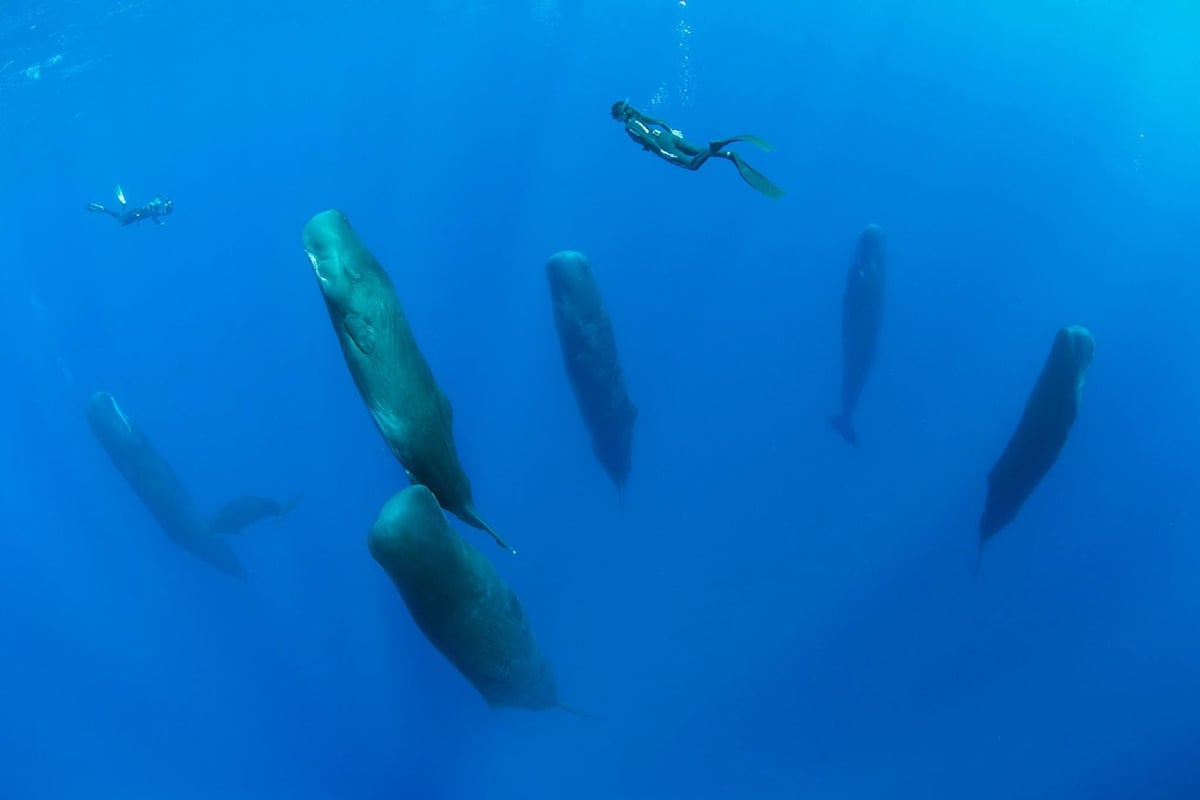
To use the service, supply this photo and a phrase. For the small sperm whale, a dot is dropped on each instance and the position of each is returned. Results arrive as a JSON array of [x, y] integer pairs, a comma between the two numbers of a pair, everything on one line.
[[157, 485], [862, 314]]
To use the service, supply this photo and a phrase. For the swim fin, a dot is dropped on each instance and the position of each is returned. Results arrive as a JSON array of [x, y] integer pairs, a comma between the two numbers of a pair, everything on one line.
[[95, 207], [761, 144], [755, 178]]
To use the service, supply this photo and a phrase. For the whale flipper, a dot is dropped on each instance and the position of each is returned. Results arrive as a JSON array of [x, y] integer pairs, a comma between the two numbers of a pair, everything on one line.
[[361, 332], [579, 712], [287, 507]]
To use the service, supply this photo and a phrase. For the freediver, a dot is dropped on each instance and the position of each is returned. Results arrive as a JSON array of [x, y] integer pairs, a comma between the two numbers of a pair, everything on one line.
[[667, 143], [156, 209]]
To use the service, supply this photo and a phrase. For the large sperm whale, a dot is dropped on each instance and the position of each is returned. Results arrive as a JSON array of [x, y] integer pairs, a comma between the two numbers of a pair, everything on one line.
[[391, 374], [461, 604], [1041, 432]]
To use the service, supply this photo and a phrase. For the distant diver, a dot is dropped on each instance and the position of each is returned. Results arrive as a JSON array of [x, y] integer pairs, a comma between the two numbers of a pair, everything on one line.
[[667, 143], [156, 209]]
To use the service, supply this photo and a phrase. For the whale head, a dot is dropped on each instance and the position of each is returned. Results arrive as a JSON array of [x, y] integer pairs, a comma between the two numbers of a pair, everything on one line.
[[870, 245], [333, 249], [102, 409], [1075, 344]]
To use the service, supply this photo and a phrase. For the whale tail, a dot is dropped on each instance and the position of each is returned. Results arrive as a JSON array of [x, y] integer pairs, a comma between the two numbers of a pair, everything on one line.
[[842, 424], [287, 507], [469, 515], [979, 556]]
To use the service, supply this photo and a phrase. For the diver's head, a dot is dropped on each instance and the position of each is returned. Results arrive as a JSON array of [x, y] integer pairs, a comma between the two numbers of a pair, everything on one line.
[[621, 110], [163, 205]]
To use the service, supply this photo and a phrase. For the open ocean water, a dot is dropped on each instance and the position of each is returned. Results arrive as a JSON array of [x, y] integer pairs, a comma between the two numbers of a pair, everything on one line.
[[761, 610]]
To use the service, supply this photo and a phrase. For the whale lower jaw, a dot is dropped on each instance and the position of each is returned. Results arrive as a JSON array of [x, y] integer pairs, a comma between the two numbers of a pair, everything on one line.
[[120, 414], [316, 266]]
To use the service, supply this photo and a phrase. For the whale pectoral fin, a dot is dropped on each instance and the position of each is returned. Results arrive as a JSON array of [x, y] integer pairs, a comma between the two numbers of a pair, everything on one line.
[[361, 332], [289, 505], [579, 712]]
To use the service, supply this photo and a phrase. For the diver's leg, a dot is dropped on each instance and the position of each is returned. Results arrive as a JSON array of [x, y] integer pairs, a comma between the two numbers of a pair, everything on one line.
[[696, 160]]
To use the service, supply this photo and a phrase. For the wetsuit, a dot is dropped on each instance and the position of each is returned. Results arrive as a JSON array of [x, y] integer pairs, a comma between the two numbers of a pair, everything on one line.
[[667, 143], [156, 209]]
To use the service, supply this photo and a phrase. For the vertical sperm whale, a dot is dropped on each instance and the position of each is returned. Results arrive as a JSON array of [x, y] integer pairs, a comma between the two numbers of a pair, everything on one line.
[[1041, 432], [589, 353], [862, 313], [392, 376]]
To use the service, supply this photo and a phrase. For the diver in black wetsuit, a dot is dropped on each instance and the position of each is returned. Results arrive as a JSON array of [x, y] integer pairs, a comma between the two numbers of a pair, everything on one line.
[[667, 143], [156, 209]]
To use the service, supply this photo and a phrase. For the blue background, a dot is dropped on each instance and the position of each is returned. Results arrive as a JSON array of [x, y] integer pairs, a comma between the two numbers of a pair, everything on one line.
[[764, 611]]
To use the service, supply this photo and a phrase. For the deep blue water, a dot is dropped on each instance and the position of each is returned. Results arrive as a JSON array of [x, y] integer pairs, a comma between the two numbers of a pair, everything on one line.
[[763, 612]]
